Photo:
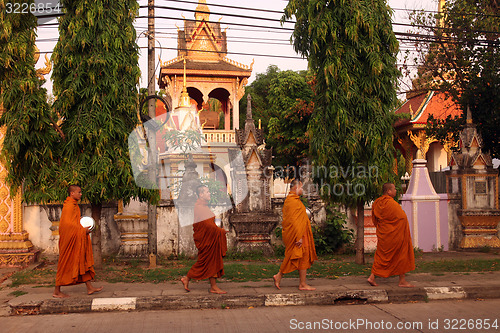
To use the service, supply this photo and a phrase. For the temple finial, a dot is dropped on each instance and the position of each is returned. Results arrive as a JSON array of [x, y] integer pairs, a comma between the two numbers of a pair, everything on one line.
[[185, 100], [249, 107]]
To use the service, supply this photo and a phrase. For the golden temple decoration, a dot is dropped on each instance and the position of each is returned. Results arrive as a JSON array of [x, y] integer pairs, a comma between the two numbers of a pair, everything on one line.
[[241, 88], [422, 142], [185, 99], [15, 247], [48, 65], [202, 11], [237, 64], [407, 146]]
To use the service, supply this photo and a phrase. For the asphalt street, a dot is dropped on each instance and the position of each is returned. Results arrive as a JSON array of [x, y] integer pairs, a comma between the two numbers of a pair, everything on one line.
[[438, 316]]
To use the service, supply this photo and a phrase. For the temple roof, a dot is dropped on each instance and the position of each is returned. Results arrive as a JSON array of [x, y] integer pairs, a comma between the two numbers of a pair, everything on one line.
[[421, 106], [194, 67]]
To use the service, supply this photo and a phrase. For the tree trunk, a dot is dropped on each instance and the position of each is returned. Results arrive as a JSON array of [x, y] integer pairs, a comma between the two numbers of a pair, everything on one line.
[[96, 235], [360, 237]]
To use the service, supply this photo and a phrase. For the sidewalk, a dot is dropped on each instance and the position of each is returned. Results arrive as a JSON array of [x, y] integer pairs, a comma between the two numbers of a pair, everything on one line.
[[171, 295]]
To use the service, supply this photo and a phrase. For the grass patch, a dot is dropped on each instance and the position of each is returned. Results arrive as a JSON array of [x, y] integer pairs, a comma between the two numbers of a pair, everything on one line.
[[247, 256], [18, 293], [45, 276], [443, 266], [137, 271], [242, 272], [333, 270]]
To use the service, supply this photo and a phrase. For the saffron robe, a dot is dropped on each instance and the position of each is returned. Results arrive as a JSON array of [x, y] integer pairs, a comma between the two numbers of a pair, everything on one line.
[[76, 261], [210, 240], [394, 254], [296, 226]]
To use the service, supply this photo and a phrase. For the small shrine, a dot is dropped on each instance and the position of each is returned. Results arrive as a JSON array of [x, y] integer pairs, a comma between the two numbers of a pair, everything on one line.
[[474, 182], [253, 219]]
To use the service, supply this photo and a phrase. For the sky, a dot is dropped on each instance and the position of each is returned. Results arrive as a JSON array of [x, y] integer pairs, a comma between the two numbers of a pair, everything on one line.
[[263, 40]]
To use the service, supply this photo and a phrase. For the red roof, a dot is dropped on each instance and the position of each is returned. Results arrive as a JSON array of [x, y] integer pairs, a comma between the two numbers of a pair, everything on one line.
[[421, 106]]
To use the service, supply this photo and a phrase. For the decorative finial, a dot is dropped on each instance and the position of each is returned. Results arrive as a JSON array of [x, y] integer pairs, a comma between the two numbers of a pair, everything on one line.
[[469, 116], [249, 107], [185, 100], [202, 11]]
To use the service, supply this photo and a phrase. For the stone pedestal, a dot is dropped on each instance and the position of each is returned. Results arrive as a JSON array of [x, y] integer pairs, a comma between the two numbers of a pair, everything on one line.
[[253, 231], [16, 250], [479, 228], [133, 235], [426, 210]]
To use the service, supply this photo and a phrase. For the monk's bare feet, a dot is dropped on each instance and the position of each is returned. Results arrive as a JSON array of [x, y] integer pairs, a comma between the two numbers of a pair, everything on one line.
[[406, 285], [185, 282], [217, 290], [306, 287], [93, 290], [60, 295], [277, 281], [372, 282]]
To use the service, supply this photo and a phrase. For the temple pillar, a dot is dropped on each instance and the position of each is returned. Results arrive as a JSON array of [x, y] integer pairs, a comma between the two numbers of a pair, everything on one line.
[[236, 112], [227, 115], [426, 210]]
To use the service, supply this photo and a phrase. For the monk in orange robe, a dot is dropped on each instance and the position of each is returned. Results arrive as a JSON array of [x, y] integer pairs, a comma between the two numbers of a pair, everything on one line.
[[394, 254], [300, 252], [210, 240], [76, 262]]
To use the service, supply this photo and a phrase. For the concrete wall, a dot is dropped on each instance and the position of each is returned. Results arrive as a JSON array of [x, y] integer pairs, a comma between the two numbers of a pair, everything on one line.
[[36, 222]]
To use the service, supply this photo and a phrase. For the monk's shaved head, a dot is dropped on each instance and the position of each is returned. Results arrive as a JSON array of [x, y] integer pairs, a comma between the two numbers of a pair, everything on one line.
[[199, 189], [387, 187], [73, 188], [294, 183]]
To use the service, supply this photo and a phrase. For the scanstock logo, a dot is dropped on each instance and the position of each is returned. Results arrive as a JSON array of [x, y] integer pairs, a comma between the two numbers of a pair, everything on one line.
[[172, 147]]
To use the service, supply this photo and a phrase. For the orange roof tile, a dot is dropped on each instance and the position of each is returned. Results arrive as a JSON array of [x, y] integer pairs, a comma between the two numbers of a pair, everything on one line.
[[423, 105]]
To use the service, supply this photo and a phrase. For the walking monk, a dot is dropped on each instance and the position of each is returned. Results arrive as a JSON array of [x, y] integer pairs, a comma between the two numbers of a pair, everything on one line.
[[210, 240], [394, 254], [76, 262], [300, 252]]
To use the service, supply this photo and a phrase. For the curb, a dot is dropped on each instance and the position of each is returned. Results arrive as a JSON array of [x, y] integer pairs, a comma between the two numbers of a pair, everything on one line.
[[178, 302]]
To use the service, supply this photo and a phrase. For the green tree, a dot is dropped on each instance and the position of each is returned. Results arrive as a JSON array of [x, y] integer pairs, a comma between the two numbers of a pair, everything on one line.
[[29, 151], [259, 90], [351, 50], [462, 59], [282, 100], [291, 106], [96, 76]]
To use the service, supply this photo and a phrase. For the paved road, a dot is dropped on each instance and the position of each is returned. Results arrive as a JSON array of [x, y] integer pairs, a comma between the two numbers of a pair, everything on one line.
[[439, 316]]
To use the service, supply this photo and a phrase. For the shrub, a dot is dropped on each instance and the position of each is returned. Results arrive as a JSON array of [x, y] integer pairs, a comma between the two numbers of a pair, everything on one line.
[[332, 236]]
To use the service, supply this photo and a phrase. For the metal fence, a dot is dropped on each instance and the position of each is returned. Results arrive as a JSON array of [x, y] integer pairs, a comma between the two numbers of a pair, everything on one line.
[[438, 180]]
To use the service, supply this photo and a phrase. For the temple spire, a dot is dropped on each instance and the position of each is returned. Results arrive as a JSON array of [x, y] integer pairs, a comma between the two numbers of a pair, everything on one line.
[[249, 107], [202, 11], [185, 100]]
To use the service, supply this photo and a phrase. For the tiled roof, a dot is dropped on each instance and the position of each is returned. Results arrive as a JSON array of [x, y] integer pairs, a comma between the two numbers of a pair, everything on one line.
[[218, 66], [423, 105]]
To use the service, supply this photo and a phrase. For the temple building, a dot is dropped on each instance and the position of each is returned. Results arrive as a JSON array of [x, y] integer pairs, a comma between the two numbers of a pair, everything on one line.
[[209, 74], [411, 138]]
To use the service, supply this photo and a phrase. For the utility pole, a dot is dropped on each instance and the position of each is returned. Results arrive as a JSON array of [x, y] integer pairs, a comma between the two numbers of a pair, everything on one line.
[[152, 233]]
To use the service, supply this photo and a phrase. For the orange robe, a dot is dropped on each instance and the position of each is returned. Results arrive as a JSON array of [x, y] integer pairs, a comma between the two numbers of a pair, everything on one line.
[[210, 240], [394, 254], [76, 262], [296, 225]]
